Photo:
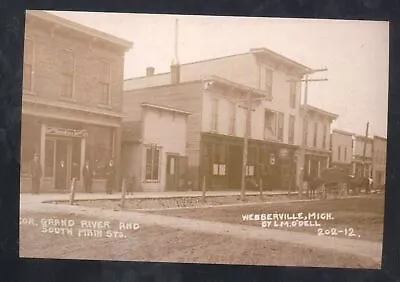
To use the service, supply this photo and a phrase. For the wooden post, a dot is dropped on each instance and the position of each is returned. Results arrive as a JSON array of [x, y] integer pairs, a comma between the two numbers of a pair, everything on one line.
[[203, 192], [123, 194], [245, 145], [72, 191]]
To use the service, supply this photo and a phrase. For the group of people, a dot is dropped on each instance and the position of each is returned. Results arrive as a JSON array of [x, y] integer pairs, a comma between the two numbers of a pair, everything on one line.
[[88, 174]]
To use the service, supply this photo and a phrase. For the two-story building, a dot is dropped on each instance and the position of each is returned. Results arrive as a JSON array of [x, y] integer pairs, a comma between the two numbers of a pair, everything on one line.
[[316, 125], [379, 161], [72, 98], [154, 148], [216, 92], [342, 149], [362, 163]]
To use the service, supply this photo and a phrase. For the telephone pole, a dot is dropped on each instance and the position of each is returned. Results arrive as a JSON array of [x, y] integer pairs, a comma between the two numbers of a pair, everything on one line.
[[307, 80], [249, 108], [365, 149]]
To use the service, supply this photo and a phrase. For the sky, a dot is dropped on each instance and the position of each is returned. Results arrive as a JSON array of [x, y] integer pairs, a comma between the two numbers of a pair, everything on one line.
[[356, 54]]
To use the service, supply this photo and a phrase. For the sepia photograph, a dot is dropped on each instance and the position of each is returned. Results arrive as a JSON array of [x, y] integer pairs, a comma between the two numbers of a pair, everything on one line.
[[203, 139]]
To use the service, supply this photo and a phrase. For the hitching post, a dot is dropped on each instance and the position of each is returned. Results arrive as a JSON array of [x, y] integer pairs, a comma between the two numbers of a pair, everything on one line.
[[123, 194], [72, 191]]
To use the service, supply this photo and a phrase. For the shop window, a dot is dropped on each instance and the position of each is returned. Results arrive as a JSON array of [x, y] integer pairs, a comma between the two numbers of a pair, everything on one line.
[[251, 161], [152, 163], [219, 160]]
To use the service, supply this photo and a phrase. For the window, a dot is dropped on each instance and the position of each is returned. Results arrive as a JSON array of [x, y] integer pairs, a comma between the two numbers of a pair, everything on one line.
[[219, 160], [345, 154], [67, 75], [292, 93], [105, 76], [315, 134], [273, 125], [339, 153], [232, 120], [152, 163], [305, 132], [291, 129], [214, 115], [251, 160], [266, 79], [324, 145], [280, 126], [28, 65]]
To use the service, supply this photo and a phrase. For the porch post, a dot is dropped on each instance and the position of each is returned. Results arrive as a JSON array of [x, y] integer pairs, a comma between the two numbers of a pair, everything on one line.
[[42, 145], [83, 157]]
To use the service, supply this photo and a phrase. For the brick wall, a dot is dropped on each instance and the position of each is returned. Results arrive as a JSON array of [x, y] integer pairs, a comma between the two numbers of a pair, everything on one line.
[[87, 55]]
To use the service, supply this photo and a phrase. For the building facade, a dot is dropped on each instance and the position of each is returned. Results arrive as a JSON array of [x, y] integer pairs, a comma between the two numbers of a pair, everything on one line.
[[342, 149], [216, 93], [72, 99], [362, 163], [316, 139], [154, 148], [379, 161]]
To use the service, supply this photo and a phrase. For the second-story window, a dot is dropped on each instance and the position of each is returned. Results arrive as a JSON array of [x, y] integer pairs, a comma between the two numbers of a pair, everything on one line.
[[281, 120], [292, 98], [105, 76], [28, 65], [345, 154], [232, 118], [214, 115], [305, 132], [291, 129], [339, 153], [325, 129], [315, 135], [67, 75], [266, 79]]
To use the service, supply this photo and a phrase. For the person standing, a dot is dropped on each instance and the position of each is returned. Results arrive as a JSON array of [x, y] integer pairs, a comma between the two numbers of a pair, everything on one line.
[[87, 177], [61, 176], [36, 174], [75, 174], [110, 174]]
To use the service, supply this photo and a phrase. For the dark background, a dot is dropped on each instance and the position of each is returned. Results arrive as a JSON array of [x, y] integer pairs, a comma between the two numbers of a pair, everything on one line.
[[11, 50]]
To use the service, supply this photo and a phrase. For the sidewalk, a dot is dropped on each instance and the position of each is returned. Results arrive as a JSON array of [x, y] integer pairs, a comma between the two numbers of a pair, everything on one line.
[[50, 197]]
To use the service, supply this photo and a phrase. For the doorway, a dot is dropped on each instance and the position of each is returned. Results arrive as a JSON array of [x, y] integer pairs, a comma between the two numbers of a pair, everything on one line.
[[61, 153], [172, 181]]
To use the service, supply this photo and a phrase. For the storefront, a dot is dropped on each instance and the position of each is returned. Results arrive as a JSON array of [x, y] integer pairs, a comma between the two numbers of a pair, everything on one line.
[[315, 163], [222, 160], [63, 147]]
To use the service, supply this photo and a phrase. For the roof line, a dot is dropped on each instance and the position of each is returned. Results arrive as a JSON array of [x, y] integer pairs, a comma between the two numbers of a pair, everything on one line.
[[79, 27], [169, 109], [343, 132], [321, 111]]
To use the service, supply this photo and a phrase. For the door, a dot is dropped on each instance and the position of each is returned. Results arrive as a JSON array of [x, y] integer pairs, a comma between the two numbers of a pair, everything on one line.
[[63, 164], [235, 167], [172, 181]]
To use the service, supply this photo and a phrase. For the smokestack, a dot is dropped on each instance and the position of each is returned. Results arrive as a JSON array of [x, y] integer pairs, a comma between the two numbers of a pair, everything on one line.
[[149, 71], [175, 66]]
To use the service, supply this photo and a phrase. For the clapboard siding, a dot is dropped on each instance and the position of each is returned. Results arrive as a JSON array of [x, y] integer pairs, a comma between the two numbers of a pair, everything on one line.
[[184, 96]]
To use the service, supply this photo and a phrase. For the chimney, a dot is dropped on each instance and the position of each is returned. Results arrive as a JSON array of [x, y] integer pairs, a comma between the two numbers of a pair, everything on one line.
[[149, 71], [175, 66], [175, 73]]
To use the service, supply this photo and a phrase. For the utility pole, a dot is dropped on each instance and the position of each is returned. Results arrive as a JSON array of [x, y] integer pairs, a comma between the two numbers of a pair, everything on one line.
[[365, 149], [249, 108], [306, 80]]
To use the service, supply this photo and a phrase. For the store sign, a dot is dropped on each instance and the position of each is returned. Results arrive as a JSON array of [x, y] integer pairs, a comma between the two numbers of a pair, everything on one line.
[[66, 132]]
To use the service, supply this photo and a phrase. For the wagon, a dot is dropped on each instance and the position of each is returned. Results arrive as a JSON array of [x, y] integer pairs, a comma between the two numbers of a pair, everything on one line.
[[333, 181]]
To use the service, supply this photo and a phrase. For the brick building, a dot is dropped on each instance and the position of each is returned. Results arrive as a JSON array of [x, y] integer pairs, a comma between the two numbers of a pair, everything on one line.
[[362, 165], [72, 98], [214, 92], [342, 149], [317, 128], [379, 161]]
